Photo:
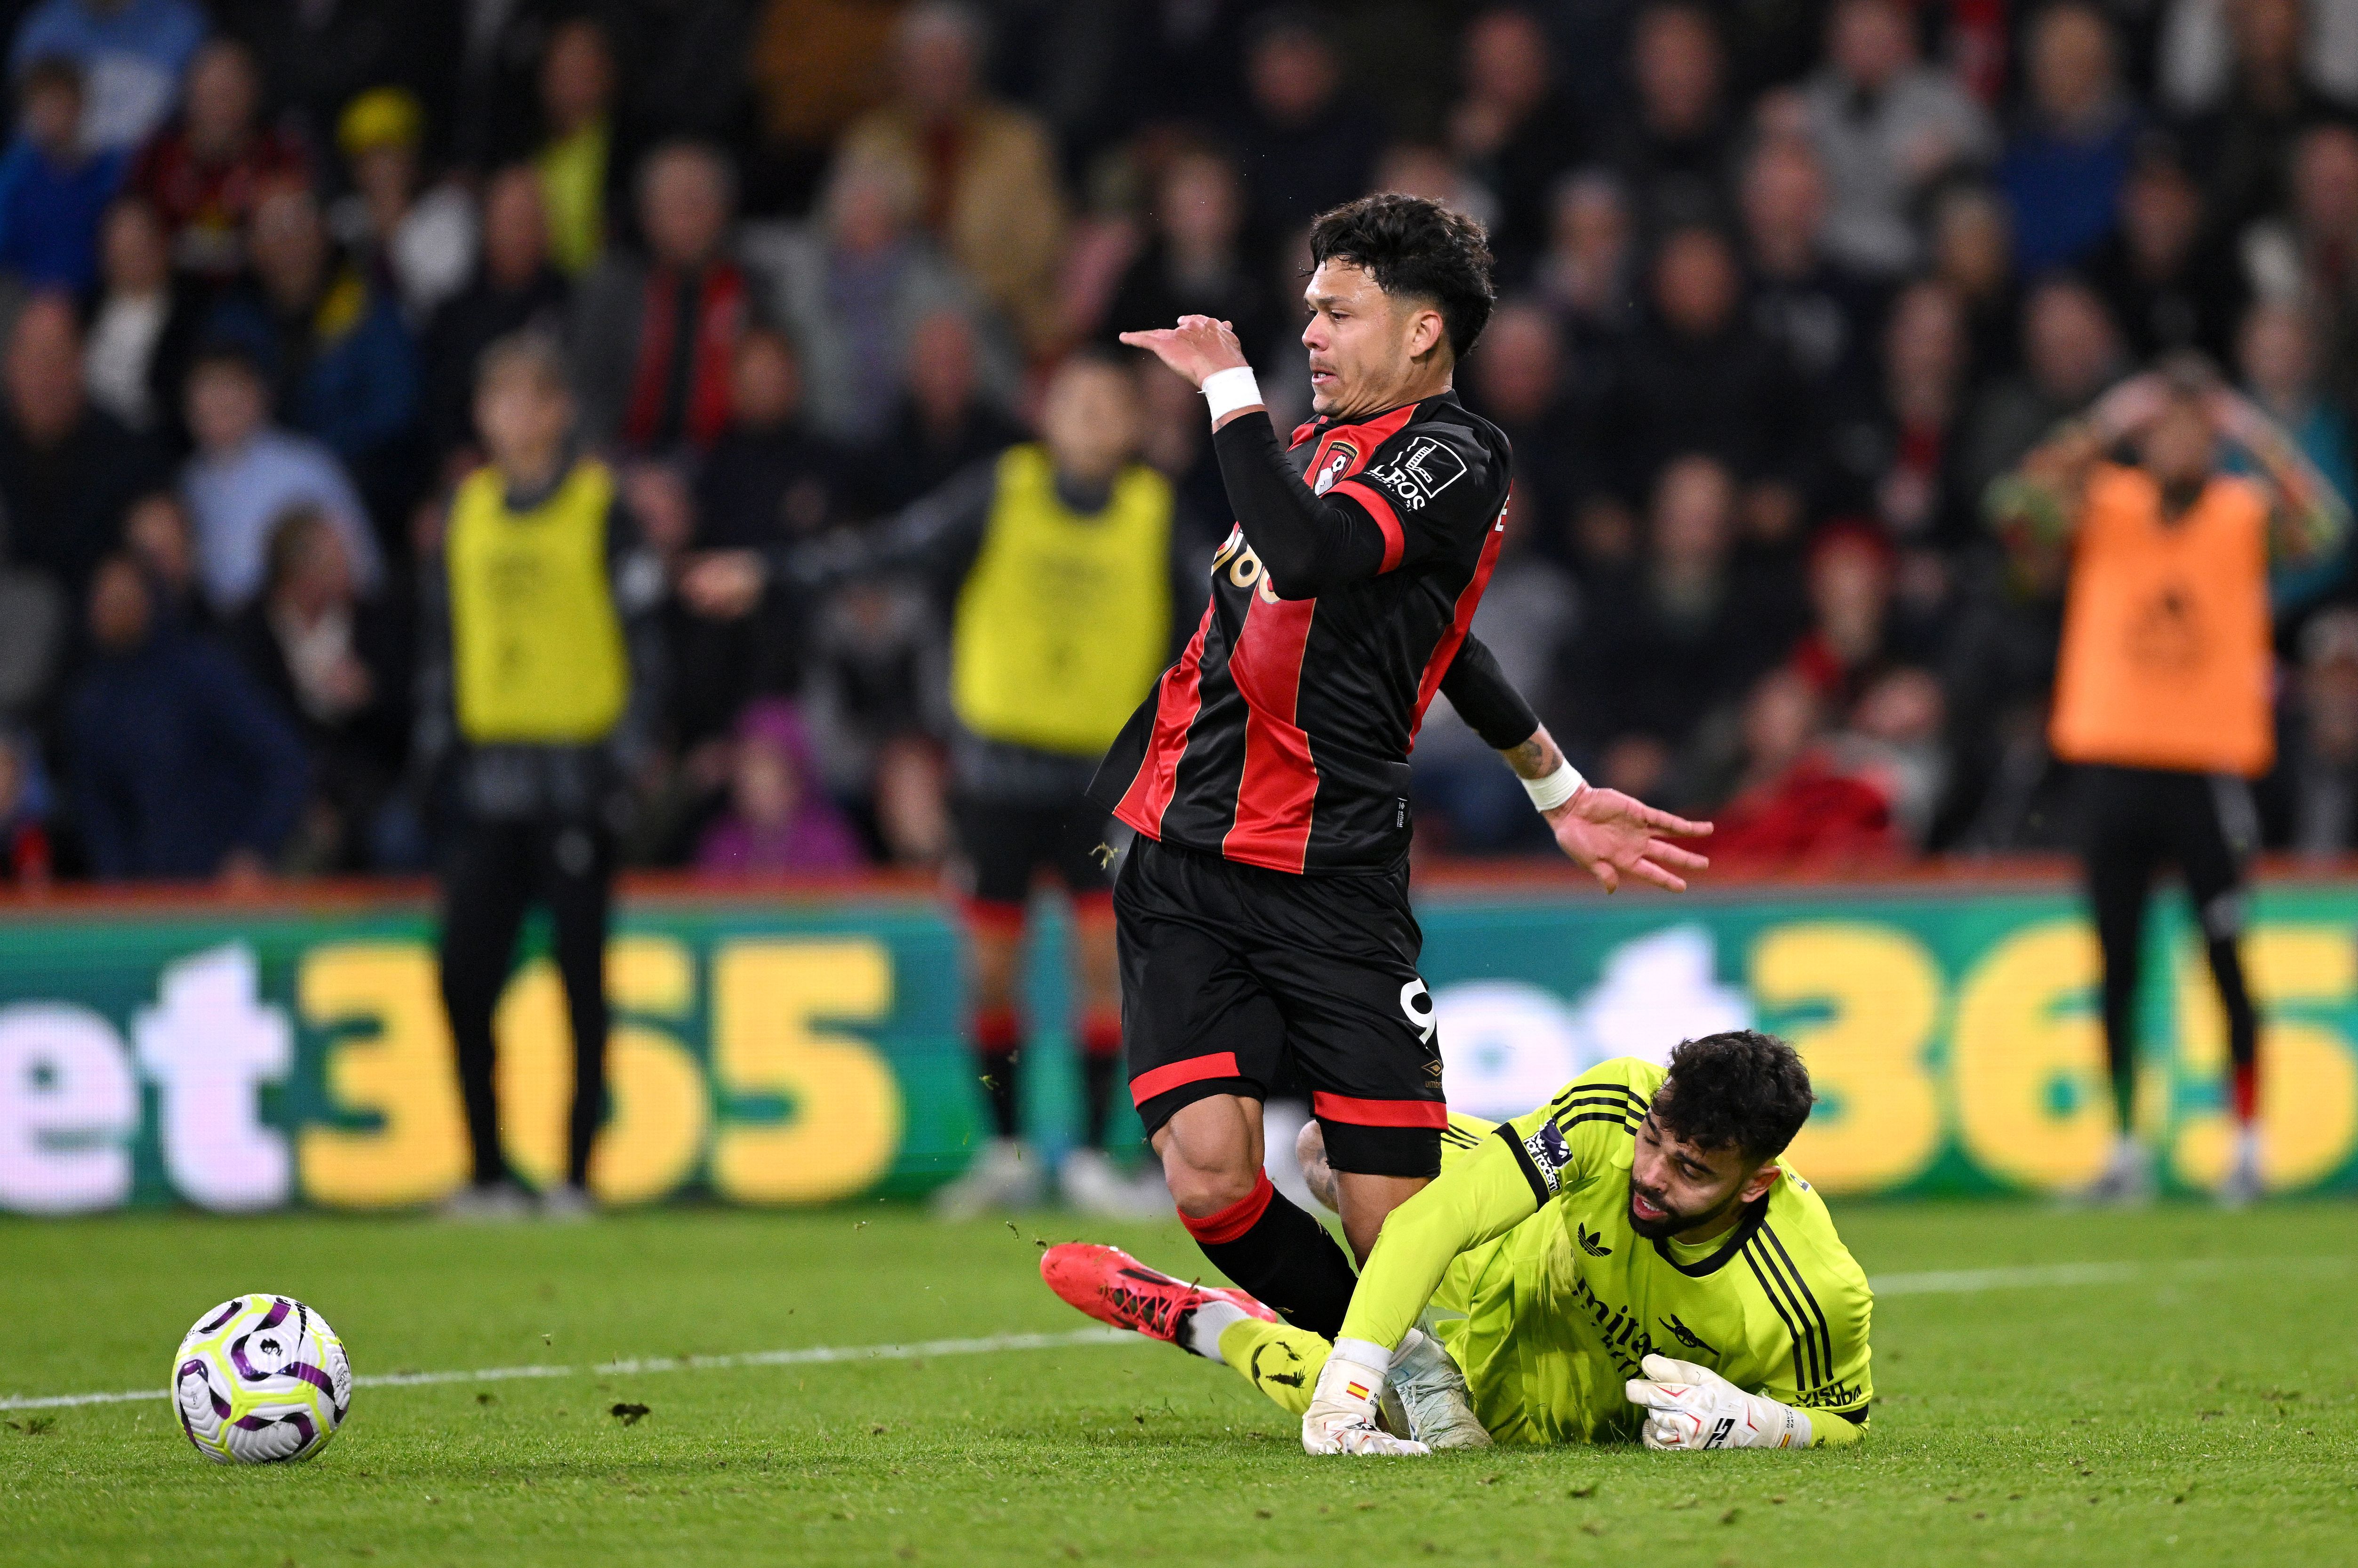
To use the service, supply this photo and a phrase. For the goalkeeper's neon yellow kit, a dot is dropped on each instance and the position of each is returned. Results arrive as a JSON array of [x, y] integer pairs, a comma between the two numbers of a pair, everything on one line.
[[1548, 1301]]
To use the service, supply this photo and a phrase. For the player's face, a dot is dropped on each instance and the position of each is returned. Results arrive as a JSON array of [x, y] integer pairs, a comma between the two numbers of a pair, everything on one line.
[[2176, 447], [1677, 1188], [1366, 347]]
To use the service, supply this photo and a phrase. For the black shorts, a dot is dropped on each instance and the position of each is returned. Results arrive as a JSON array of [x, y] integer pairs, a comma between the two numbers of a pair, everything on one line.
[[1231, 975], [1006, 843]]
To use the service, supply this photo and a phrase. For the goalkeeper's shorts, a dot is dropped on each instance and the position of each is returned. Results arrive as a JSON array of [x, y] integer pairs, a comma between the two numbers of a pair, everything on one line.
[[1235, 978]]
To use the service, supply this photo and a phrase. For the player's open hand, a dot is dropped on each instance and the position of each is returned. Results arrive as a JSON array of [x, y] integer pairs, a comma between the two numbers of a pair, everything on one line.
[[723, 584], [1197, 347], [1612, 836], [1690, 1407]]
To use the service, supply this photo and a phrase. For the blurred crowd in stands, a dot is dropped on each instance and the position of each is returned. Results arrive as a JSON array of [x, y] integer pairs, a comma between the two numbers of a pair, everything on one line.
[[1784, 285]]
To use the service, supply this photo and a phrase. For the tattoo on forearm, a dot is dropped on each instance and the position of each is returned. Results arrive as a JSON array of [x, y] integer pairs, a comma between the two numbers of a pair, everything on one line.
[[1535, 757]]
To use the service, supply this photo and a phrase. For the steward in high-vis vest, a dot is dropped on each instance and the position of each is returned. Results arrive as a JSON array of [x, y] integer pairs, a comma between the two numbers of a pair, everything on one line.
[[1057, 557], [540, 671], [2165, 687]]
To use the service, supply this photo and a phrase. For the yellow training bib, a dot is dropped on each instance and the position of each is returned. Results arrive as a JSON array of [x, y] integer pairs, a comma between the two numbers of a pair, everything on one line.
[[537, 646], [1066, 620]]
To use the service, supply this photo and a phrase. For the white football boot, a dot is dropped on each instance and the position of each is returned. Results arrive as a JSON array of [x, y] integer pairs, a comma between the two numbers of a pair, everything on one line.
[[2244, 1185], [1005, 1175], [1092, 1184], [1425, 1397]]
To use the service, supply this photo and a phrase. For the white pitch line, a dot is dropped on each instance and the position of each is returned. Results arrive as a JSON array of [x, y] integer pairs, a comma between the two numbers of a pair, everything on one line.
[[813, 1355], [1936, 1282]]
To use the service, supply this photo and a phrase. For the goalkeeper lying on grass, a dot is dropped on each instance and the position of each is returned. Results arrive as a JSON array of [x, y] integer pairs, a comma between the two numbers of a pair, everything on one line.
[[1629, 1260]]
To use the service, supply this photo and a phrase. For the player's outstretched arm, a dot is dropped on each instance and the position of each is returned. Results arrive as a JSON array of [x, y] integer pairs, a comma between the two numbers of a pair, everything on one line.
[[1611, 836], [1306, 542], [1690, 1407]]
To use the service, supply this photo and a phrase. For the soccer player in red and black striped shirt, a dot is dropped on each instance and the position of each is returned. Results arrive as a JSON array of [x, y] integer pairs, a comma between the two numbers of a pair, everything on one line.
[[1263, 915]]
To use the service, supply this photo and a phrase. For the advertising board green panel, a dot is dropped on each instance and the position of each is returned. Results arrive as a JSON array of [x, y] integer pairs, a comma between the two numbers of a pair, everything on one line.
[[807, 1051]]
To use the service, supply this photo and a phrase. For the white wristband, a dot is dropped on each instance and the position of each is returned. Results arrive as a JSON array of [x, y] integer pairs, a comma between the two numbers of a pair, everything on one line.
[[1552, 790], [1229, 390]]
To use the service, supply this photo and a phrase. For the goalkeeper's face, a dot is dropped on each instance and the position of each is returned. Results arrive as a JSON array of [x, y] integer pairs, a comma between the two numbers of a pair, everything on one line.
[[1683, 1189]]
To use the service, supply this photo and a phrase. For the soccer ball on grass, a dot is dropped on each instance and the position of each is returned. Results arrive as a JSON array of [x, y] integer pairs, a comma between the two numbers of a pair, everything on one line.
[[261, 1380]]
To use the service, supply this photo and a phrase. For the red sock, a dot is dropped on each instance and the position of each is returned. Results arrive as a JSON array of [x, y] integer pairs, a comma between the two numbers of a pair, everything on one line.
[[2247, 1092], [1280, 1255]]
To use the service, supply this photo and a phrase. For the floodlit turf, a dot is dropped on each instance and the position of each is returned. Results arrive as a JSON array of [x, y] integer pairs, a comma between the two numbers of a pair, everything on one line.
[[2198, 1407]]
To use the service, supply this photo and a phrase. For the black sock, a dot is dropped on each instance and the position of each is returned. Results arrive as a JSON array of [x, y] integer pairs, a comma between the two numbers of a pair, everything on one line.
[[1281, 1257]]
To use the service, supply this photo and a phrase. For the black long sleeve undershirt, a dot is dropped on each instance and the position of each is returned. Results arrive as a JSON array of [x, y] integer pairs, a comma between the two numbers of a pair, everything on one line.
[[1307, 543], [1485, 699]]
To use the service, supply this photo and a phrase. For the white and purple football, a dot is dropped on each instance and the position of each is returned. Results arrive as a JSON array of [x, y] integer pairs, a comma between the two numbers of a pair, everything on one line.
[[261, 1380]]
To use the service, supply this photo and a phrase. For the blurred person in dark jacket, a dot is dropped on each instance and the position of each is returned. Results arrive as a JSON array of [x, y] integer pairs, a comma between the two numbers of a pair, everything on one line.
[[515, 288], [68, 470], [944, 424], [539, 673], [53, 190], [334, 663], [653, 333], [1196, 265], [1512, 127], [183, 766], [208, 170]]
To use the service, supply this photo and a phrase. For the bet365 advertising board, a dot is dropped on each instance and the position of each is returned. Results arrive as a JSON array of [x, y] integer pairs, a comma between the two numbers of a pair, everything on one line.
[[799, 1052]]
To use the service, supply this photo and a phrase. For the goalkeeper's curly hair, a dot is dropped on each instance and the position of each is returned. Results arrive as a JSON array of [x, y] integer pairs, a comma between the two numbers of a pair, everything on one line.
[[1739, 1087]]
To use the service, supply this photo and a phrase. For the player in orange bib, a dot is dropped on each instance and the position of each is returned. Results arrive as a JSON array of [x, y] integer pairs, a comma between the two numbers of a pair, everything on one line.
[[2163, 690]]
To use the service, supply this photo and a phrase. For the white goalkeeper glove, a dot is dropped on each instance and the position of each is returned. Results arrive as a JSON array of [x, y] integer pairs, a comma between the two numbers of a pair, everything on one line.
[[1689, 1407], [1342, 1414]]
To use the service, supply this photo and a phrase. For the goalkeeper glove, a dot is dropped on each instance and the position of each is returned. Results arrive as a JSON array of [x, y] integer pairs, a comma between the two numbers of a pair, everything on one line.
[[1689, 1407], [1342, 1414]]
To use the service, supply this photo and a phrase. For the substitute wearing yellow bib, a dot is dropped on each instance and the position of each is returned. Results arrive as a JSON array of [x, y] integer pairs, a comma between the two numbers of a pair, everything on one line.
[[539, 673], [1057, 556]]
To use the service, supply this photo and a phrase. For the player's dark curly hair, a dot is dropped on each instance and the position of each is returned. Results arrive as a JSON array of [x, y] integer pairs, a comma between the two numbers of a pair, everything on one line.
[[1414, 246], [1738, 1087]]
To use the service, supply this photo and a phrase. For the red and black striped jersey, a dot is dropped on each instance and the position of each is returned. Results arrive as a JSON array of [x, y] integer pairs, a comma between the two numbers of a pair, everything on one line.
[[1281, 738]]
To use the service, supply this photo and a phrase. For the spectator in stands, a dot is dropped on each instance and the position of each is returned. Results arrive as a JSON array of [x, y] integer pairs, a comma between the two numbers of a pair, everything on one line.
[[1304, 145], [654, 336], [1973, 253], [1898, 453], [851, 287], [142, 324], [342, 363], [1196, 263], [2245, 144], [68, 471], [53, 190], [182, 767], [1699, 377], [2070, 351], [2276, 354], [159, 535], [2169, 285], [131, 52], [2065, 165], [1814, 308], [1519, 383], [2322, 769], [778, 819], [24, 809], [771, 478], [1675, 151], [1433, 172], [317, 56], [1589, 273], [1793, 803], [1848, 645], [515, 288], [1887, 127], [1676, 638], [2309, 251], [207, 171], [420, 243], [945, 422], [984, 170], [540, 684], [247, 472], [1513, 128], [577, 159], [333, 663]]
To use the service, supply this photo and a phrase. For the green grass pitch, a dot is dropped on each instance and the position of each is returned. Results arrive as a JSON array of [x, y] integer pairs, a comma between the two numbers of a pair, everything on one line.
[[2193, 1400]]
